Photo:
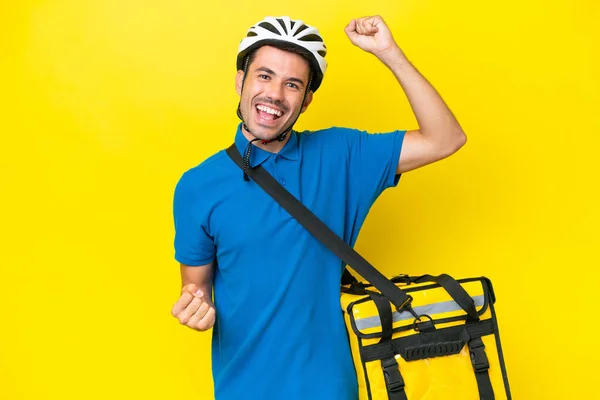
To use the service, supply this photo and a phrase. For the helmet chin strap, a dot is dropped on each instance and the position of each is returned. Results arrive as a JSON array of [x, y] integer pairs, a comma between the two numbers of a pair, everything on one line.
[[279, 138]]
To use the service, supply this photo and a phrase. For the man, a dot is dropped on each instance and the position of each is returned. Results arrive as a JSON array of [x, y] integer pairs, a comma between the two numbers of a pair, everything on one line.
[[278, 328]]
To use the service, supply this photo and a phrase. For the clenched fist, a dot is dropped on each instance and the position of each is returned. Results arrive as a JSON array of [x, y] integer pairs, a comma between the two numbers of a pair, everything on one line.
[[371, 34], [193, 309]]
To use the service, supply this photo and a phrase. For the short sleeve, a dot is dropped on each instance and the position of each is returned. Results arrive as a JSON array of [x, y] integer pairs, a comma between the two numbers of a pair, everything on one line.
[[373, 161], [193, 245]]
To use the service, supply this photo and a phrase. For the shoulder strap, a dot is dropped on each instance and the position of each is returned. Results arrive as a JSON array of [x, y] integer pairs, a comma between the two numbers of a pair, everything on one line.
[[321, 232]]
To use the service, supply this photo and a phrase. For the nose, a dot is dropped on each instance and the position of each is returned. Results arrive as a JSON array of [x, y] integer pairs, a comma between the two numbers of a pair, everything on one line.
[[274, 90]]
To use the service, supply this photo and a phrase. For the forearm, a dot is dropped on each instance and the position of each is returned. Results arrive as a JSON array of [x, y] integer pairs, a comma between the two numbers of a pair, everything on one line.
[[200, 276], [436, 122]]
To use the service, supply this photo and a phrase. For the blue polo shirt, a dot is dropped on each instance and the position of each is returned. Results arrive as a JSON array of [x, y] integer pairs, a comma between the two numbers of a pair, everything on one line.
[[279, 332]]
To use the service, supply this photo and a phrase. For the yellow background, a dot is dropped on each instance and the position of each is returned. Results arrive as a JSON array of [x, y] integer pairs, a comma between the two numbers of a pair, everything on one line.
[[106, 103]]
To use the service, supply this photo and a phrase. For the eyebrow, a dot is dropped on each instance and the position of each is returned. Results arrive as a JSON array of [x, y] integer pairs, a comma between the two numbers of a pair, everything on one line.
[[271, 72]]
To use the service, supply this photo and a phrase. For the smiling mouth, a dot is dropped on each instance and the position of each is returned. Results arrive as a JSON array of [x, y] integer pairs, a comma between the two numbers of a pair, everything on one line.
[[267, 113]]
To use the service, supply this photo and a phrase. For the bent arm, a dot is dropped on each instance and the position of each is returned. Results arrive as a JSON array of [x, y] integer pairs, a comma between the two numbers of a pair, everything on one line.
[[439, 134]]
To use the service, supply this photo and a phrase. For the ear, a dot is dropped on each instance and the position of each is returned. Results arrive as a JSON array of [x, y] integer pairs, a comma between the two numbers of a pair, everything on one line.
[[309, 97], [238, 82]]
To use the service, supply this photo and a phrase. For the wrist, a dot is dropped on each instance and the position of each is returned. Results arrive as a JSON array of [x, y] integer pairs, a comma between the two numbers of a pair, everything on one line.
[[392, 57]]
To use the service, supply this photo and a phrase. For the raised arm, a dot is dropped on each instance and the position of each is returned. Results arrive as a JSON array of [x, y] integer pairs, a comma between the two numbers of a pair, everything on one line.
[[439, 134]]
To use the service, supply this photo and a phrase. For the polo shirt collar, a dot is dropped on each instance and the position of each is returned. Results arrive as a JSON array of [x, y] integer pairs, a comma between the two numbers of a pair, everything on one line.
[[259, 156]]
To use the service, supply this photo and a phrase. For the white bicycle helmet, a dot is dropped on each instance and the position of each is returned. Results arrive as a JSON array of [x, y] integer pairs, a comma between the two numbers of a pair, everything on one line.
[[274, 30]]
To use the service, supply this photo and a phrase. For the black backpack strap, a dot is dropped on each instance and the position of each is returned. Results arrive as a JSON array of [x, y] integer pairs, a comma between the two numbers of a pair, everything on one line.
[[348, 278], [481, 364], [321, 232], [455, 290]]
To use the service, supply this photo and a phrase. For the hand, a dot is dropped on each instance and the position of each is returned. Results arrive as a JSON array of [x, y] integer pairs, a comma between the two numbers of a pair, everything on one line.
[[371, 34], [193, 309]]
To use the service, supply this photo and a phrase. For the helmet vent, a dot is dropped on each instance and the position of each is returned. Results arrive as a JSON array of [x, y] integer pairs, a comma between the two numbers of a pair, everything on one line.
[[269, 27], [303, 27], [311, 38], [282, 25]]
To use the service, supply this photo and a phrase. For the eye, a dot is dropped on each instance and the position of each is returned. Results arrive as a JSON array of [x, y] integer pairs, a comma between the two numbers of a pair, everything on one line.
[[293, 85], [263, 76]]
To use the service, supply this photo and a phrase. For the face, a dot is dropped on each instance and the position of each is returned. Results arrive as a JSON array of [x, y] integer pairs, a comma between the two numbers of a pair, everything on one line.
[[273, 91]]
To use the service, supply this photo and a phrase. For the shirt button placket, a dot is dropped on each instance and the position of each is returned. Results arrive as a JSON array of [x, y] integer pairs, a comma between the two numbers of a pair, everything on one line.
[[281, 179]]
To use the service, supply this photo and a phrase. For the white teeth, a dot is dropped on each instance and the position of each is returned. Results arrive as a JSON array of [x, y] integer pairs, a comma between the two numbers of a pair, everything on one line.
[[269, 110]]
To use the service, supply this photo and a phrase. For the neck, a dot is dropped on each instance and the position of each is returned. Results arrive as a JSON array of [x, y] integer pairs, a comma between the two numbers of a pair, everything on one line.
[[273, 147]]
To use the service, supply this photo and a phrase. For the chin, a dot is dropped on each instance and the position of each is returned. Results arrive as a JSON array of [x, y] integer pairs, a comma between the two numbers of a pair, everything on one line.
[[264, 133]]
